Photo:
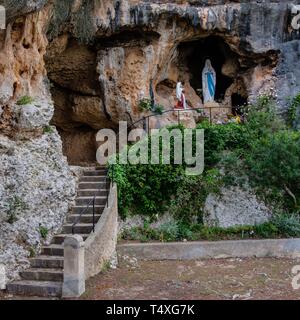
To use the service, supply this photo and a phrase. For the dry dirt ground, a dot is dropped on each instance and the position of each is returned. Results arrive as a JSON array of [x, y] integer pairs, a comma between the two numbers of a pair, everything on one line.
[[227, 279]]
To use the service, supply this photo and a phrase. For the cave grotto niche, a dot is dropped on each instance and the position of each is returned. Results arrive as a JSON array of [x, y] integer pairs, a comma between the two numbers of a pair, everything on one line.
[[192, 56], [187, 65], [76, 93]]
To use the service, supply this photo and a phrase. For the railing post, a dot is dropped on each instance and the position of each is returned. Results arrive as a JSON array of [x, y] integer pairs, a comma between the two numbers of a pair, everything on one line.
[[74, 274], [2, 277], [94, 213]]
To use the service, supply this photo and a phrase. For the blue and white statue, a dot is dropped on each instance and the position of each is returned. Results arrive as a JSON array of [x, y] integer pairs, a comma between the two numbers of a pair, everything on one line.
[[209, 82]]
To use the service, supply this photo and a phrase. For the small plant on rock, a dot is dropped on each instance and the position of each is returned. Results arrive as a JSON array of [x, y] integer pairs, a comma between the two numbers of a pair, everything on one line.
[[44, 232], [48, 129], [25, 100], [15, 206], [145, 104]]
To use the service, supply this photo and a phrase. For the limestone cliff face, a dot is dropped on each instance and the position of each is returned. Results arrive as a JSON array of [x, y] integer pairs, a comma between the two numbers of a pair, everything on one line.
[[131, 44], [36, 185], [86, 64]]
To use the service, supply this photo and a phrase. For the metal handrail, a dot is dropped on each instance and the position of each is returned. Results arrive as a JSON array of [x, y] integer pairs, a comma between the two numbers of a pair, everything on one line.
[[92, 202], [178, 112]]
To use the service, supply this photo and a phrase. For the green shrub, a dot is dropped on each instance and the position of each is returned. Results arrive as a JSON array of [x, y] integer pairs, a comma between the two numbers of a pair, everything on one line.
[[159, 109], [262, 152], [219, 138], [145, 104], [281, 226], [273, 162], [43, 232], [25, 100], [190, 197], [287, 225]]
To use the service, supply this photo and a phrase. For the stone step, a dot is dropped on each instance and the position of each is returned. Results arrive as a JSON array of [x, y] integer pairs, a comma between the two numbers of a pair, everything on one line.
[[49, 262], [35, 288], [81, 201], [92, 179], [92, 185], [79, 228], [78, 209], [92, 193], [101, 172], [53, 250], [43, 274], [60, 238], [85, 218]]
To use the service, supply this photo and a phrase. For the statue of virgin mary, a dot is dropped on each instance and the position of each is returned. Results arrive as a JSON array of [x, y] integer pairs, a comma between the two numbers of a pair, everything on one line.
[[208, 82]]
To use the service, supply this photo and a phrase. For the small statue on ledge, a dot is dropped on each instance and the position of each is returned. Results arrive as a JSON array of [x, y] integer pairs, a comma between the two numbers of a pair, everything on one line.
[[208, 82], [180, 95]]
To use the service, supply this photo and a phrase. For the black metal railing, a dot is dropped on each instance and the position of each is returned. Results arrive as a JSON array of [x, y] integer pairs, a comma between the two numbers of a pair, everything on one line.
[[92, 203], [146, 119]]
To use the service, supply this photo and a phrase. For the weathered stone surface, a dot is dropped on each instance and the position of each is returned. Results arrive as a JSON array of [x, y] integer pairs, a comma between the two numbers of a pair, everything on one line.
[[74, 276], [2, 277], [100, 246], [34, 115], [137, 42], [36, 191], [289, 248], [235, 207]]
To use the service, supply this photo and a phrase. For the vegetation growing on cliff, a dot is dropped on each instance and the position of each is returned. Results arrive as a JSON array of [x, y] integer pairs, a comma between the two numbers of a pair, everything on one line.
[[263, 152]]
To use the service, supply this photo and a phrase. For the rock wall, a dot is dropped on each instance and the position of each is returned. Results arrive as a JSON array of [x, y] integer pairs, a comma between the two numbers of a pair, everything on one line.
[[83, 65], [100, 70], [36, 184]]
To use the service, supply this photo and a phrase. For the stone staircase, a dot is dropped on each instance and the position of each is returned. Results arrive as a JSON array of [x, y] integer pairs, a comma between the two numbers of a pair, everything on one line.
[[45, 276]]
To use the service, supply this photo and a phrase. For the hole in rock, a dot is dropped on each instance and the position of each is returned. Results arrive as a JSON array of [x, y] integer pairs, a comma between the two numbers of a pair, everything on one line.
[[192, 57], [78, 102], [237, 102], [79, 145]]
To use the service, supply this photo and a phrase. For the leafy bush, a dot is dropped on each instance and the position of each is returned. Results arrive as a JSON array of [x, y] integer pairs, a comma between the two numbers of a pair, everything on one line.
[[192, 193], [146, 189], [273, 162], [287, 225], [219, 138], [280, 226], [262, 151], [147, 105]]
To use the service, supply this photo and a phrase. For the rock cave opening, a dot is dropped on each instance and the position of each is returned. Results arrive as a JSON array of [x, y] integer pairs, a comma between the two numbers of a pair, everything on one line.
[[74, 71], [193, 55], [76, 93]]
